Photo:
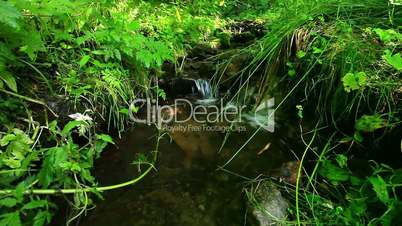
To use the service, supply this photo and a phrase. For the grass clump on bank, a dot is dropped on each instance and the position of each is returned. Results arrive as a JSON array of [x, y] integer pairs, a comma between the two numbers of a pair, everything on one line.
[[339, 62]]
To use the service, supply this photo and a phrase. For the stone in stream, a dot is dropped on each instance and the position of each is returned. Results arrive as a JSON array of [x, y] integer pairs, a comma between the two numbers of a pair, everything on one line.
[[267, 205]]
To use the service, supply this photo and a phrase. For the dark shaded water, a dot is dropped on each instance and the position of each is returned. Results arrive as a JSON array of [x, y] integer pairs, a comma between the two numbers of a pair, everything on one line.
[[182, 191]]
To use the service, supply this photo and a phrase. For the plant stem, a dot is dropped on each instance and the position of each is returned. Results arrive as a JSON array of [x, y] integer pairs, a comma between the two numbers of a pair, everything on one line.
[[29, 100], [89, 189]]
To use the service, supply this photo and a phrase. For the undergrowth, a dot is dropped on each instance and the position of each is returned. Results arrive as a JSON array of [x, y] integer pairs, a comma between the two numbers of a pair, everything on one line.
[[68, 67], [339, 61]]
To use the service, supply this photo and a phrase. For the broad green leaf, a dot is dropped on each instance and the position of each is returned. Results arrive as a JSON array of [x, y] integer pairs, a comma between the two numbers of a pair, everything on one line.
[[353, 81], [387, 35], [9, 15], [105, 138], [5, 53], [396, 2], [35, 204], [342, 160], [300, 54], [370, 123], [145, 57], [69, 126], [12, 163], [124, 111], [9, 80], [394, 60], [10, 219], [32, 44], [82, 39], [117, 54], [41, 218], [84, 60], [6, 139], [291, 72], [51, 165], [19, 191], [8, 202], [357, 136], [380, 188], [317, 50], [135, 25], [333, 172]]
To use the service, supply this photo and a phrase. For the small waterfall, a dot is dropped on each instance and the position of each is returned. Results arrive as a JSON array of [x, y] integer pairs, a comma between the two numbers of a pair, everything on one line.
[[204, 89]]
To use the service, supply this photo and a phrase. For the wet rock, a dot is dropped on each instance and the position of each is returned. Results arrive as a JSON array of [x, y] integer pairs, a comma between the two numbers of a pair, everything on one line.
[[267, 205], [178, 87], [202, 51], [246, 31]]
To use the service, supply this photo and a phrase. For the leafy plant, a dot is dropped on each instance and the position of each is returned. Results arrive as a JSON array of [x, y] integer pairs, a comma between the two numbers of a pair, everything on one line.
[[354, 81], [388, 35], [395, 60], [370, 123]]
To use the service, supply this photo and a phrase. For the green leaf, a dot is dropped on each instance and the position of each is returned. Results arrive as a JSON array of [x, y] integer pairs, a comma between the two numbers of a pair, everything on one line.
[[117, 54], [299, 111], [8, 202], [394, 60], [82, 39], [396, 2], [342, 160], [333, 172], [292, 73], [41, 218], [69, 126], [300, 54], [10, 219], [9, 15], [9, 79], [317, 50], [357, 137], [19, 191], [84, 60], [32, 44], [51, 168], [135, 25], [388, 35], [7, 139], [35, 204], [6, 53], [353, 81], [370, 123], [380, 188], [105, 138], [145, 57], [124, 111]]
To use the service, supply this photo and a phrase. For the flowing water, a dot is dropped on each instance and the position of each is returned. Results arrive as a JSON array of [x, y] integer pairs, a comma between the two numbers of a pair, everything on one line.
[[205, 89], [187, 186], [177, 193]]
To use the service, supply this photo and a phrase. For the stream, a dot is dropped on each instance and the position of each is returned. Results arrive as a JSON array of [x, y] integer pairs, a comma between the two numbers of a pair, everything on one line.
[[187, 186], [176, 194]]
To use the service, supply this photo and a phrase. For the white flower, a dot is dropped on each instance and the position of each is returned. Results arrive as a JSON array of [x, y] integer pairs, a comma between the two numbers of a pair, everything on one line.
[[80, 117]]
